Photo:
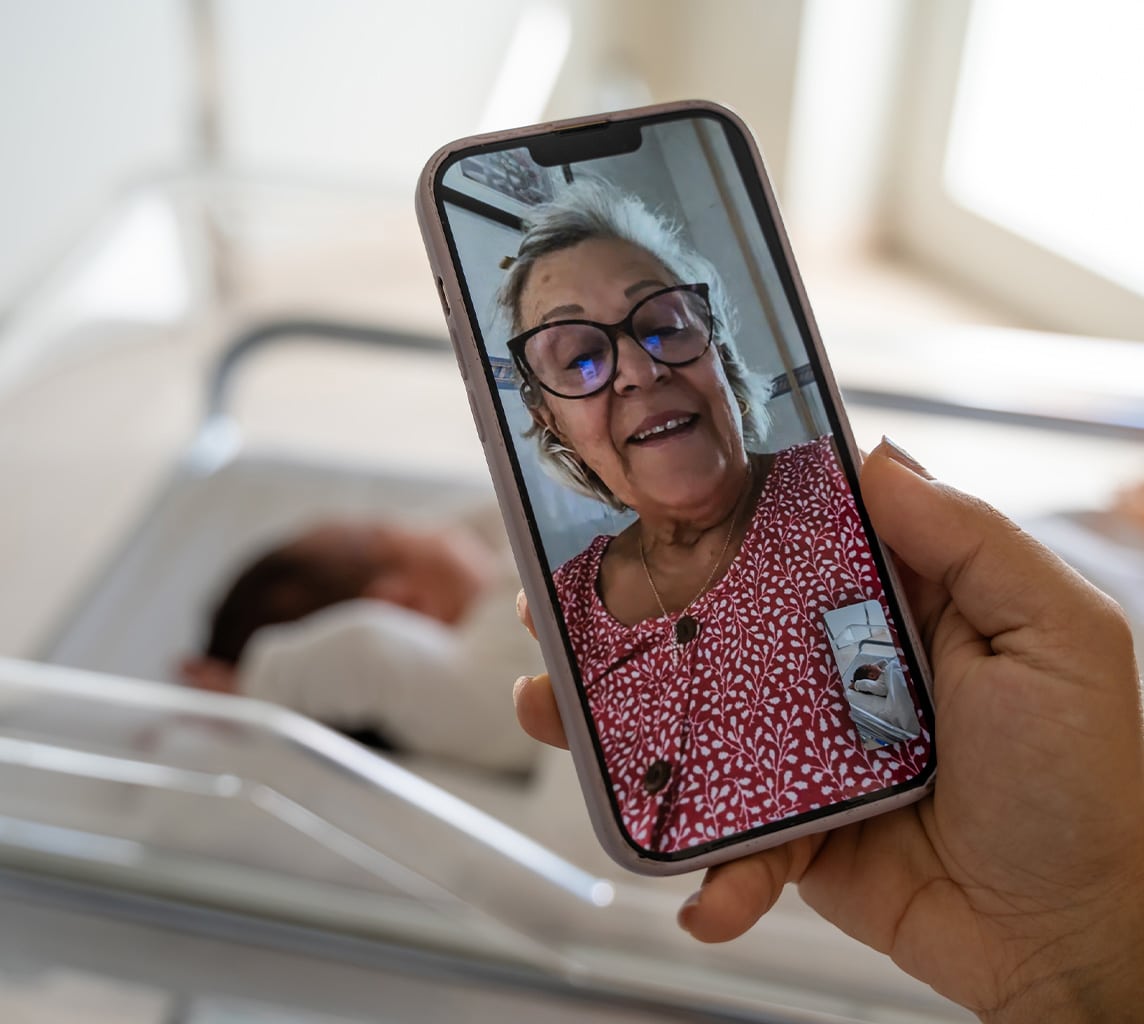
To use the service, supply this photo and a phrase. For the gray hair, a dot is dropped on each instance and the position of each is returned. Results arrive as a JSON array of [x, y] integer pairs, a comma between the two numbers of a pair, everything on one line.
[[592, 208]]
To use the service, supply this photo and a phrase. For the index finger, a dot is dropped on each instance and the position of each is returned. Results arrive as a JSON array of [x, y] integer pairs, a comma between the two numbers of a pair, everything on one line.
[[524, 614], [1000, 578], [537, 712]]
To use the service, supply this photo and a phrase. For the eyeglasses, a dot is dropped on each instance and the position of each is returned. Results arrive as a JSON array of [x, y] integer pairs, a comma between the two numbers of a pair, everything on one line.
[[579, 358]]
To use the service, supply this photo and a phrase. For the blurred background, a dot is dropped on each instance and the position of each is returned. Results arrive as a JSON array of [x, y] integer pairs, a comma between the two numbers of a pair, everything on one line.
[[960, 179]]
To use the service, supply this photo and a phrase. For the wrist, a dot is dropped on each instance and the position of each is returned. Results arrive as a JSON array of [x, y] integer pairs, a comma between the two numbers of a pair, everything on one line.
[[1105, 990]]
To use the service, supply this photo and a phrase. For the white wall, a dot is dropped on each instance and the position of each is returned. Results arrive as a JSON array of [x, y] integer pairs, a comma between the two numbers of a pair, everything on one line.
[[101, 93], [363, 90], [92, 96]]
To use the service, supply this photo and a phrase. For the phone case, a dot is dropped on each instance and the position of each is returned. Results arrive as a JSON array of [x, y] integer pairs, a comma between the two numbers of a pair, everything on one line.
[[872, 673]]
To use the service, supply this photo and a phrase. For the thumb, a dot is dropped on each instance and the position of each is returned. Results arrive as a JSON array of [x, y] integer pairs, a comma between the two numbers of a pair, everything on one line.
[[736, 894], [999, 578]]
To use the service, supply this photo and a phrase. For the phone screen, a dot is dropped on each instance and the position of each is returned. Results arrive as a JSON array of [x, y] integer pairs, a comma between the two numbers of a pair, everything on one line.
[[737, 647]]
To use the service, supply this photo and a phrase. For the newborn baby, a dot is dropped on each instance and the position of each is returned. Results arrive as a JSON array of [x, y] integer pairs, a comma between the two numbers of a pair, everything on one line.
[[400, 636]]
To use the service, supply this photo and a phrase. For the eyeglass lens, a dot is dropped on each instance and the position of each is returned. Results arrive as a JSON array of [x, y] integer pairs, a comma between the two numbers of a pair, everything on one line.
[[575, 359]]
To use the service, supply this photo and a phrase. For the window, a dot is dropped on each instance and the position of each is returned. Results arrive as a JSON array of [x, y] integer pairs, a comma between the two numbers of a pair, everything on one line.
[[1021, 164]]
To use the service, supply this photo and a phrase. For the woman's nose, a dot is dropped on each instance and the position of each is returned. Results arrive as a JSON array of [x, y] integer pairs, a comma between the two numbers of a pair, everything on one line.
[[635, 368]]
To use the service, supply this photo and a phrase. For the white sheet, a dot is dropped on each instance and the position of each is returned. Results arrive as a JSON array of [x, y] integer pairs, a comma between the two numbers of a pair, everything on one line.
[[147, 609]]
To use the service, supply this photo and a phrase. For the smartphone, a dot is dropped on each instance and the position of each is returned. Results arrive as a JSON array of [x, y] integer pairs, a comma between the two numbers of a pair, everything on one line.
[[732, 661]]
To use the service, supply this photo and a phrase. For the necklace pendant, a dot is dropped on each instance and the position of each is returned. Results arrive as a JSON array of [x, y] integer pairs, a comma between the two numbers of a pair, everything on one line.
[[686, 629]]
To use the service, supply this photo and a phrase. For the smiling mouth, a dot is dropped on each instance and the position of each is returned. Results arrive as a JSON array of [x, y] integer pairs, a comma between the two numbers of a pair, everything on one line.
[[663, 430]]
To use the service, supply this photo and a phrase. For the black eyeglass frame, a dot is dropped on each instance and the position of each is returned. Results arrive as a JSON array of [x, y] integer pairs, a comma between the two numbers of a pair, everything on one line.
[[517, 344]]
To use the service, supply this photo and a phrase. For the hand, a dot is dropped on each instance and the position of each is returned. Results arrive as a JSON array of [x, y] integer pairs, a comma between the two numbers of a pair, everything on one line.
[[205, 673], [1017, 888]]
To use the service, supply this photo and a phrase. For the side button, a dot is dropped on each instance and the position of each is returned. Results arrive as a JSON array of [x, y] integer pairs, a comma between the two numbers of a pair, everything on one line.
[[441, 294], [457, 350], [476, 418]]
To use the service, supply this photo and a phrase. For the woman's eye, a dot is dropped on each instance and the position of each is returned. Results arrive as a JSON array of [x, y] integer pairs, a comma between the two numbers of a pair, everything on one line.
[[584, 360]]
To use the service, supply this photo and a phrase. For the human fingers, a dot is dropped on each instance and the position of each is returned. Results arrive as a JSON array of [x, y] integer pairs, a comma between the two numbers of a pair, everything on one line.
[[736, 894], [926, 599], [1040, 723], [524, 614], [1000, 578], [537, 712], [209, 674]]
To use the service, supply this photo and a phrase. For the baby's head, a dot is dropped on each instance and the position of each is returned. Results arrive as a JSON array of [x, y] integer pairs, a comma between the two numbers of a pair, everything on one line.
[[436, 573]]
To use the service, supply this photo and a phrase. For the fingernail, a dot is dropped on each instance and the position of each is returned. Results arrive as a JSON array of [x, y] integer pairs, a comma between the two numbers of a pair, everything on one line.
[[519, 603], [686, 910], [519, 685], [896, 452]]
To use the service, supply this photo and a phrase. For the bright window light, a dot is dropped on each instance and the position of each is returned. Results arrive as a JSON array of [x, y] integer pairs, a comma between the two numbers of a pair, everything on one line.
[[530, 67], [1047, 134], [139, 272]]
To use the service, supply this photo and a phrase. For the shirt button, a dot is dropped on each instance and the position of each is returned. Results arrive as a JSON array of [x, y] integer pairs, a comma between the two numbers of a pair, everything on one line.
[[686, 630], [656, 776]]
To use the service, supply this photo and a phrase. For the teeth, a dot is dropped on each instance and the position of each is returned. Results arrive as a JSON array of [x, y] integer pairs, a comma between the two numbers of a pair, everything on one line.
[[643, 435]]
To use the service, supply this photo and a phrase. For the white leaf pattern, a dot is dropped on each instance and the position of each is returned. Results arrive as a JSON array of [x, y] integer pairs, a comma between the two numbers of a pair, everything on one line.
[[752, 721]]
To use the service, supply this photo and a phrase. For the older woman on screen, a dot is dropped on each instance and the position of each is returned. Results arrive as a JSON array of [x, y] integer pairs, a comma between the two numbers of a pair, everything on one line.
[[698, 629]]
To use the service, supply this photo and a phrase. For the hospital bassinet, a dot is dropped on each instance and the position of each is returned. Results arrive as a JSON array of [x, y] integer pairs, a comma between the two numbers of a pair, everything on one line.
[[159, 817], [224, 502]]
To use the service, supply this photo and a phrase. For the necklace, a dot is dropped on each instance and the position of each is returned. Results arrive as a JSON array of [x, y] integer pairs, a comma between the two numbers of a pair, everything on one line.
[[687, 626]]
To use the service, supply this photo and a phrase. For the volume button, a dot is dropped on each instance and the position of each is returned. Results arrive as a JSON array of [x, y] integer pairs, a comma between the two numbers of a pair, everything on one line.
[[476, 418], [457, 353], [441, 294]]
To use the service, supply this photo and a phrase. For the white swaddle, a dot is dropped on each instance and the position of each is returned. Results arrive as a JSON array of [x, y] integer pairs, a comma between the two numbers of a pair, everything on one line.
[[432, 689]]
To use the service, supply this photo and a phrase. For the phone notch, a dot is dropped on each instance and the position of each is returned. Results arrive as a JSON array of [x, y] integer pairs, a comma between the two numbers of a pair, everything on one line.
[[594, 140]]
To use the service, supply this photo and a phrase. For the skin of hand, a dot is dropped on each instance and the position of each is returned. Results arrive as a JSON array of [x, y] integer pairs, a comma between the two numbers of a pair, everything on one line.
[[209, 674], [1016, 888]]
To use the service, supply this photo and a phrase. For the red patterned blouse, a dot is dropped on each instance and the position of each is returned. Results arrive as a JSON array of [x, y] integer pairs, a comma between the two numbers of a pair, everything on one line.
[[746, 723]]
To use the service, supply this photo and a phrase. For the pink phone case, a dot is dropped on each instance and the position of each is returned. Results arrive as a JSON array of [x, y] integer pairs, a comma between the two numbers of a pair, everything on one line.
[[596, 786]]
